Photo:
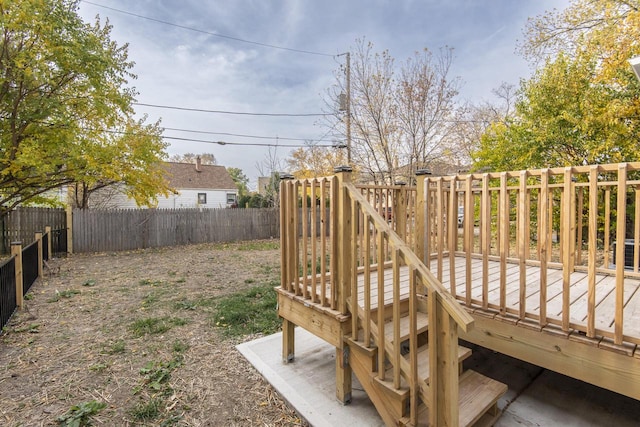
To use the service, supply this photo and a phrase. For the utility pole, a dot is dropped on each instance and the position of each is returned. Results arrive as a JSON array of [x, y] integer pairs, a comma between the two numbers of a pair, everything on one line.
[[348, 122], [345, 104]]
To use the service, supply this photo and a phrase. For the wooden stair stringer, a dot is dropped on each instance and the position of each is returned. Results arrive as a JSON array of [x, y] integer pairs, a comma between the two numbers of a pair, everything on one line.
[[363, 362]]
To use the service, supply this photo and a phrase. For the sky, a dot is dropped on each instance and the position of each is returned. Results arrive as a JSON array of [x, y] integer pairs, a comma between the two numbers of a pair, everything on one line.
[[214, 57]]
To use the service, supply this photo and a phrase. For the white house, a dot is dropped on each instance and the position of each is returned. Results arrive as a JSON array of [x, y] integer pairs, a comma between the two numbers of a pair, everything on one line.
[[196, 186], [199, 186]]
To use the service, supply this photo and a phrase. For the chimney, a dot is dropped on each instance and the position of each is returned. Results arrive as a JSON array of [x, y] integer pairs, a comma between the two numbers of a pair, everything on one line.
[[198, 163]]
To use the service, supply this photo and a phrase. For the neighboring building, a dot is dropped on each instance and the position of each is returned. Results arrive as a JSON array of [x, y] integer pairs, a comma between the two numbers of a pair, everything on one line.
[[196, 186], [199, 186]]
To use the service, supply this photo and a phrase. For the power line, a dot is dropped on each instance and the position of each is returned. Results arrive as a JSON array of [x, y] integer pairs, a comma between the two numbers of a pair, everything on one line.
[[249, 144], [243, 135], [176, 138], [200, 110], [184, 27]]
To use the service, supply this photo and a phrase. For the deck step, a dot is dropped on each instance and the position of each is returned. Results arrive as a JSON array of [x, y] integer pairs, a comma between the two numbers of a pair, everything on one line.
[[422, 327], [422, 323], [477, 402], [423, 360]]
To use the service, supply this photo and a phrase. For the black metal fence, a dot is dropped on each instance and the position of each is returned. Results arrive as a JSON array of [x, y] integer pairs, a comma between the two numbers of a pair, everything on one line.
[[59, 242], [45, 246], [7, 290], [30, 263]]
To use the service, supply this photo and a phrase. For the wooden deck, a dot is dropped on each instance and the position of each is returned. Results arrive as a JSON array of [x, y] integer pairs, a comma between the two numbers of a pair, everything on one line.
[[533, 278], [605, 294]]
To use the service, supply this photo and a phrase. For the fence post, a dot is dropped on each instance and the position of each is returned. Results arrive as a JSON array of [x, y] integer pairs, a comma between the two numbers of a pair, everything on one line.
[[39, 240], [49, 243], [16, 251], [69, 212]]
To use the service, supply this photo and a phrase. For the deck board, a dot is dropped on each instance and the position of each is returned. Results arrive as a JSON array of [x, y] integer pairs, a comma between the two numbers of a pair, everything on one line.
[[605, 292], [604, 298]]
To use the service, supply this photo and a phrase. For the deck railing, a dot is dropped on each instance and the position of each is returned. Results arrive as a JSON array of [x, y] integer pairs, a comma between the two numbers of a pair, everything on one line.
[[339, 262], [561, 218], [307, 212]]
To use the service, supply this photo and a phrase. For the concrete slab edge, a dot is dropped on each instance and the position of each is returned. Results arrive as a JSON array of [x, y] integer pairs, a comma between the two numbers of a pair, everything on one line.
[[288, 393]]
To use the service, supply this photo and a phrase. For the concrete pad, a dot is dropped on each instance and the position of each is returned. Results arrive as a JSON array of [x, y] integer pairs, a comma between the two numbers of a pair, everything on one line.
[[308, 384], [536, 397]]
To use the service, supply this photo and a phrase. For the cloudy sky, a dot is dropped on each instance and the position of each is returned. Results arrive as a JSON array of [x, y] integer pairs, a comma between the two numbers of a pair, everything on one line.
[[214, 58]]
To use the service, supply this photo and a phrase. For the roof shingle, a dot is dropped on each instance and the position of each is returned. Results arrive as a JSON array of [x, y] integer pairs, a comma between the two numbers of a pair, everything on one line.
[[186, 175]]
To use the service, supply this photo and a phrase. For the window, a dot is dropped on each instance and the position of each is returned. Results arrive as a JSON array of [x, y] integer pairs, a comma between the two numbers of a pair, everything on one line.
[[231, 198], [202, 198]]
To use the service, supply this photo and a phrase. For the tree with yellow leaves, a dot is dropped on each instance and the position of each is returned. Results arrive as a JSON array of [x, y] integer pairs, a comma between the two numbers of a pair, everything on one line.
[[582, 106], [65, 108]]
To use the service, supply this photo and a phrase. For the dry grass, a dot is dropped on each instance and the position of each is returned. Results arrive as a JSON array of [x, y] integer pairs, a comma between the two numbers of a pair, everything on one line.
[[81, 338]]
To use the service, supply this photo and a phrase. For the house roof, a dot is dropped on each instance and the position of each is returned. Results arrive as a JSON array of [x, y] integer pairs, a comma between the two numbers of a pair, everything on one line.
[[190, 175]]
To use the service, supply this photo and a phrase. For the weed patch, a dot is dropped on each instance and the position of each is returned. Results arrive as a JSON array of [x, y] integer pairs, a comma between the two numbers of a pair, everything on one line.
[[265, 245], [248, 312], [33, 328], [146, 411], [148, 282], [194, 304], [155, 325], [80, 415], [156, 376], [117, 347], [68, 293]]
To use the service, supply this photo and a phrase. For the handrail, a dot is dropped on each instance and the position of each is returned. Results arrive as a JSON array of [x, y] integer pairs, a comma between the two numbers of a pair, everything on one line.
[[453, 307], [445, 314], [332, 262]]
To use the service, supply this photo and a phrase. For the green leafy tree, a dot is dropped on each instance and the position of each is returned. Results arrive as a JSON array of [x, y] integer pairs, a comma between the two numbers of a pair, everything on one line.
[[65, 108], [582, 106], [241, 181]]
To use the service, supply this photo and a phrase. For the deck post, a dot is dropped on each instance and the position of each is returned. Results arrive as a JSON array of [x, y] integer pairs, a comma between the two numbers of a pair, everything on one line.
[[400, 210], [421, 214], [288, 327], [342, 278], [443, 366]]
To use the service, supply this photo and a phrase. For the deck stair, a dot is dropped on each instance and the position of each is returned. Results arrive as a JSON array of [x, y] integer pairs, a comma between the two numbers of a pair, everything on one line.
[[478, 394]]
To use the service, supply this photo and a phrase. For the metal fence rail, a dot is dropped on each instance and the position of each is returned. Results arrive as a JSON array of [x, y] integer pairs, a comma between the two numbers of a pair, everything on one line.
[[59, 242], [7, 291], [29, 266]]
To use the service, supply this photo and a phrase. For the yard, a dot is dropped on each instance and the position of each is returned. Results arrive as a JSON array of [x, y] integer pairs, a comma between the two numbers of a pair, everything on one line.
[[139, 338]]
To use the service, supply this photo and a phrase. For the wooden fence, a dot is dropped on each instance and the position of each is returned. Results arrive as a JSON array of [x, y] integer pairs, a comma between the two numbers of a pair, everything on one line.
[[21, 225], [117, 230]]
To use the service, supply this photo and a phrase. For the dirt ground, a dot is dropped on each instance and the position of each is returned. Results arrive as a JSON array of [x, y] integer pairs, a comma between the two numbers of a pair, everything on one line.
[[81, 337]]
